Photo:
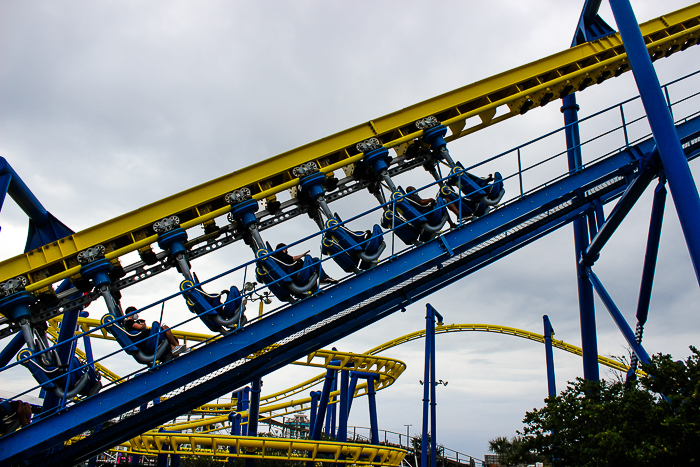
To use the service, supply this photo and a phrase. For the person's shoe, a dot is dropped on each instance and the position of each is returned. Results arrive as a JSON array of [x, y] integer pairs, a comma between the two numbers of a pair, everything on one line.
[[329, 280], [178, 350]]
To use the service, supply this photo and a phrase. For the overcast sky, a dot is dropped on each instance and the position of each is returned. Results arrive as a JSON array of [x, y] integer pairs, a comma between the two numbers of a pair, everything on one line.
[[108, 106]]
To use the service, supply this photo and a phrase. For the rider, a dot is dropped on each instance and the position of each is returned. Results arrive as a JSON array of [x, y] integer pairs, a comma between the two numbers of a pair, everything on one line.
[[133, 323]]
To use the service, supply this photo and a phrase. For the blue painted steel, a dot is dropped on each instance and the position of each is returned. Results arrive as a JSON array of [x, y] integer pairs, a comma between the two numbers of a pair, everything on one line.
[[429, 323], [351, 391], [377, 160], [372, 399], [680, 179], [245, 212], [173, 241], [647, 173], [245, 404], [429, 397], [590, 25], [68, 326], [11, 349], [97, 272], [589, 341], [313, 184], [657, 217], [260, 334], [43, 226], [253, 414], [16, 306], [343, 410], [549, 355], [313, 410], [617, 317], [323, 405], [330, 411]]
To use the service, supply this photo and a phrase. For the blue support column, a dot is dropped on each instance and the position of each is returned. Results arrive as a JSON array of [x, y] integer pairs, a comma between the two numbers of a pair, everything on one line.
[[253, 414], [323, 403], [11, 349], [351, 390], [657, 217], [548, 332], [371, 395], [680, 179], [68, 325], [429, 323], [343, 409], [429, 397], [622, 325], [330, 411], [245, 405], [235, 419], [313, 411], [589, 341]]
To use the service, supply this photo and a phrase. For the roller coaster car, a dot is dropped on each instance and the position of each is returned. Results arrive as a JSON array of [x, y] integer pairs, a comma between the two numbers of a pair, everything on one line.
[[488, 191], [352, 251], [47, 367], [415, 223], [217, 314], [144, 351], [9, 420], [287, 281]]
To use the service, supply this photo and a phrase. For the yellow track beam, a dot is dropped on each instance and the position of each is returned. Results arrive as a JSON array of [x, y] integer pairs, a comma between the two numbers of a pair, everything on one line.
[[527, 86], [267, 448]]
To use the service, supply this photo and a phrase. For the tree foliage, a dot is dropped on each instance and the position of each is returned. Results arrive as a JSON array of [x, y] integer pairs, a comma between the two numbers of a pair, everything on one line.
[[653, 421]]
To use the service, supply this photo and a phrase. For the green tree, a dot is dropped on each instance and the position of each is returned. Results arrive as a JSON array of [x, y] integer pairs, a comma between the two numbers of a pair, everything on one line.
[[653, 421], [513, 451]]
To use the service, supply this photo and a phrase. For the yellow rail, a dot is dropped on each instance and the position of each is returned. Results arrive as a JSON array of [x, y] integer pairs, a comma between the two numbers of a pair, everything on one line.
[[267, 448], [524, 87], [609, 362]]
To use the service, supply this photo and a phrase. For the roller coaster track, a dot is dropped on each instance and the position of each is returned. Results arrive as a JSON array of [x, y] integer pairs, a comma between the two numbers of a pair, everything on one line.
[[294, 331], [520, 89], [207, 444]]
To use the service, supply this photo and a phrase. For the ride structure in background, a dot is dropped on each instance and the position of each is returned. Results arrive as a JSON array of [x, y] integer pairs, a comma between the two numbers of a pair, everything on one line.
[[70, 270]]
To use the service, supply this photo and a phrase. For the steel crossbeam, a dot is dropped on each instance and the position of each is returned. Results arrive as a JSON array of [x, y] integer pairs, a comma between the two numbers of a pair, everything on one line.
[[525, 87]]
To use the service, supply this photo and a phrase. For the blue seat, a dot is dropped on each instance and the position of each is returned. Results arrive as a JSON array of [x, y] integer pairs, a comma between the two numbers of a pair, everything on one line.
[[477, 189], [44, 369], [415, 223], [155, 347], [352, 251], [287, 281], [217, 315]]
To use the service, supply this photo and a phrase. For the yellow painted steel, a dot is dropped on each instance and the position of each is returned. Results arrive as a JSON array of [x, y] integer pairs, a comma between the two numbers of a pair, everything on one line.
[[527, 86], [442, 329], [268, 448]]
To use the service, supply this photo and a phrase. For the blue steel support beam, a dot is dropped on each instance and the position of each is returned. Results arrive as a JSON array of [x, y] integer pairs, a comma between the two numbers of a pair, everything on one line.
[[652, 251], [253, 414], [313, 410], [11, 349], [589, 340], [323, 404], [429, 324], [433, 383], [343, 410], [549, 355], [43, 226], [330, 411], [680, 179], [372, 399], [617, 317], [621, 209], [245, 404], [351, 390]]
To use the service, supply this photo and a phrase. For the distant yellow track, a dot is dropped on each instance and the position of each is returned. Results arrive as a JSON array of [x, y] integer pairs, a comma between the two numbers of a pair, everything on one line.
[[272, 406], [524, 87]]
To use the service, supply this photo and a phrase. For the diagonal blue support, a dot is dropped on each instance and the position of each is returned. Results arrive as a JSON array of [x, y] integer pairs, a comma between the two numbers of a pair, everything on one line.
[[652, 251], [617, 317], [680, 179]]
